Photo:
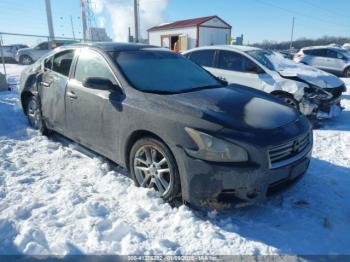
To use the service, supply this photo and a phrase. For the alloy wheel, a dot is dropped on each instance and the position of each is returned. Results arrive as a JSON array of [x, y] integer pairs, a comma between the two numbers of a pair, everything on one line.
[[34, 115], [26, 60], [152, 169]]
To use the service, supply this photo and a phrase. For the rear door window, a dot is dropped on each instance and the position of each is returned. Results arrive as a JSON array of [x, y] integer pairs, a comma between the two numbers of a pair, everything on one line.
[[62, 62], [316, 52], [48, 63], [203, 57]]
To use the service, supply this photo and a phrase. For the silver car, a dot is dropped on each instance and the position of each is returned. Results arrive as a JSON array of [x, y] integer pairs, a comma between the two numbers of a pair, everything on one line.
[[27, 56], [331, 59]]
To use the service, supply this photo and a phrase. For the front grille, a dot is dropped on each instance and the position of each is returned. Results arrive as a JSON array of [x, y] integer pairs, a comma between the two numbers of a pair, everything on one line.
[[336, 92], [285, 152]]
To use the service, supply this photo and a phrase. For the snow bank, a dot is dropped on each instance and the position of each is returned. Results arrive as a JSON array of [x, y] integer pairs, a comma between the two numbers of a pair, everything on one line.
[[56, 200]]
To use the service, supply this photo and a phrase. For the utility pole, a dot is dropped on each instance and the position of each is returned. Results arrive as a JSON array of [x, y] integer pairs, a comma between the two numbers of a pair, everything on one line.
[[136, 17], [292, 36], [49, 19], [71, 22], [83, 18]]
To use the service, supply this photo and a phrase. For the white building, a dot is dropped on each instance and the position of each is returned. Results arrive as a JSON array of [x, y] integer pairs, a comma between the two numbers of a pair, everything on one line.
[[188, 34]]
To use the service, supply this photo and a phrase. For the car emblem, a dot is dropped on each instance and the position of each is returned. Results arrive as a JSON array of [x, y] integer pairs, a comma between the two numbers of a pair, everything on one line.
[[296, 147]]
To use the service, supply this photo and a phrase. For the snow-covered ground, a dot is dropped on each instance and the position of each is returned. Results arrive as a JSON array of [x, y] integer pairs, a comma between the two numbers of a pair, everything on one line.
[[56, 200]]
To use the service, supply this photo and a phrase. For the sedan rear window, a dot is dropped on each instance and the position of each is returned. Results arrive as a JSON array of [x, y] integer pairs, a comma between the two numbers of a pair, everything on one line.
[[163, 71]]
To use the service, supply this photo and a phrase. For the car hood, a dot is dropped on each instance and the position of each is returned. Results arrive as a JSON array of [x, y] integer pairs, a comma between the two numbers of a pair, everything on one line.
[[304, 73], [236, 107], [312, 76]]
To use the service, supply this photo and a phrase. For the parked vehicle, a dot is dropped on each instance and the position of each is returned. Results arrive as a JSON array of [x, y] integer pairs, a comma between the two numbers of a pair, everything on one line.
[[174, 126], [335, 60], [315, 93], [285, 54], [27, 56], [346, 47], [9, 52]]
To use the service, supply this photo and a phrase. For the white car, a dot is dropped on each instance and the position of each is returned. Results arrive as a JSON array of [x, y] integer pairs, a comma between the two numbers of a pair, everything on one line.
[[332, 59], [315, 93]]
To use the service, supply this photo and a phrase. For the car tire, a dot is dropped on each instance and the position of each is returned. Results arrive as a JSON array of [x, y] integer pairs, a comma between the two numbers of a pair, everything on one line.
[[26, 60], [347, 72], [289, 99], [34, 115], [152, 165]]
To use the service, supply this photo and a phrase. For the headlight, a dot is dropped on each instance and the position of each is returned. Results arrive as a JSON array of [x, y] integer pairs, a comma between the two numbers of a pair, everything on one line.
[[214, 149]]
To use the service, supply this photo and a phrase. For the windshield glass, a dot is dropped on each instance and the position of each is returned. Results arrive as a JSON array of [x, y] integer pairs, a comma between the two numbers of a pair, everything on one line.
[[262, 56], [274, 61], [162, 71]]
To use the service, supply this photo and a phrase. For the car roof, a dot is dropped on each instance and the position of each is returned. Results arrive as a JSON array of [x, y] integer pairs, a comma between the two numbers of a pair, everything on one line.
[[238, 48], [322, 47], [113, 46]]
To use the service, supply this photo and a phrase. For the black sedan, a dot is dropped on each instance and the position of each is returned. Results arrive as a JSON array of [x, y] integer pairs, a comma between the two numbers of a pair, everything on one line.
[[174, 126]]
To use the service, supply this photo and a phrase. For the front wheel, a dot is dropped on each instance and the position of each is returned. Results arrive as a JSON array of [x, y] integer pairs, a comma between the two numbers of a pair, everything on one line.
[[35, 116], [26, 60], [152, 165], [347, 72], [289, 100]]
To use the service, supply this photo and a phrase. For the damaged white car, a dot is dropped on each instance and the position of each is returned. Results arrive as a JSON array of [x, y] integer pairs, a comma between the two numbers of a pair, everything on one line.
[[315, 93]]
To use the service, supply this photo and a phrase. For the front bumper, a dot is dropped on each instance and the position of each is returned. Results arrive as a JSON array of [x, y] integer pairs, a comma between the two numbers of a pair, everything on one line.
[[221, 186], [321, 109]]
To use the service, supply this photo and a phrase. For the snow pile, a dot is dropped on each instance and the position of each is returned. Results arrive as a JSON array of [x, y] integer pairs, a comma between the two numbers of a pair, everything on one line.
[[54, 199]]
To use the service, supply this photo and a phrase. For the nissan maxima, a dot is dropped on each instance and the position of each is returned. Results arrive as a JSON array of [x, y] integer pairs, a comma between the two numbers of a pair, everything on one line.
[[177, 129]]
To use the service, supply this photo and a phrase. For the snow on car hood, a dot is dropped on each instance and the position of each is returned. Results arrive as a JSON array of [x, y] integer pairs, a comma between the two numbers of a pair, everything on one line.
[[287, 68]]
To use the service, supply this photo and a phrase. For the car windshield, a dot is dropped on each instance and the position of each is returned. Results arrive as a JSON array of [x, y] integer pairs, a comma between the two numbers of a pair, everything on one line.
[[263, 57], [273, 61], [159, 71]]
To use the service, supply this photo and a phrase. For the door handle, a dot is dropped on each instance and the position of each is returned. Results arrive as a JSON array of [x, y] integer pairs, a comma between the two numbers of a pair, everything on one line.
[[72, 95], [46, 84]]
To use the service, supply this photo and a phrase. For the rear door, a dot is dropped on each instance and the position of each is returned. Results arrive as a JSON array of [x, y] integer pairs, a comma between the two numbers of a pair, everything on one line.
[[53, 88], [318, 58], [335, 61], [87, 108]]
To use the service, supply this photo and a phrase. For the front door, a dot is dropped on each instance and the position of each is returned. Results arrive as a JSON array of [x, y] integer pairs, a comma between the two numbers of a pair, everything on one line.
[[53, 86], [237, 69], [87, 109]]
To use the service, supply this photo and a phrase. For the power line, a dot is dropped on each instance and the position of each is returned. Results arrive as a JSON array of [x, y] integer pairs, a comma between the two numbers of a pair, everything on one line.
[[301, 14], [324, 9]]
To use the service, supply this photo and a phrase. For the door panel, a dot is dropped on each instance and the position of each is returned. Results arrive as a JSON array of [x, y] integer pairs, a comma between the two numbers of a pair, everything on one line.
[[93, 114], [53, 88], [84, 110]]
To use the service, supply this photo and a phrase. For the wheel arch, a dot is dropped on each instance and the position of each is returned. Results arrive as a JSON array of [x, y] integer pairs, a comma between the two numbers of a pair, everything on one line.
[[135, 136], [281, 92], [28, 91]]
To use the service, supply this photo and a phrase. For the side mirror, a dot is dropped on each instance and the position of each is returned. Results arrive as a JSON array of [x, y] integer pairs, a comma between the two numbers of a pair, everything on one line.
[[100, 83]]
